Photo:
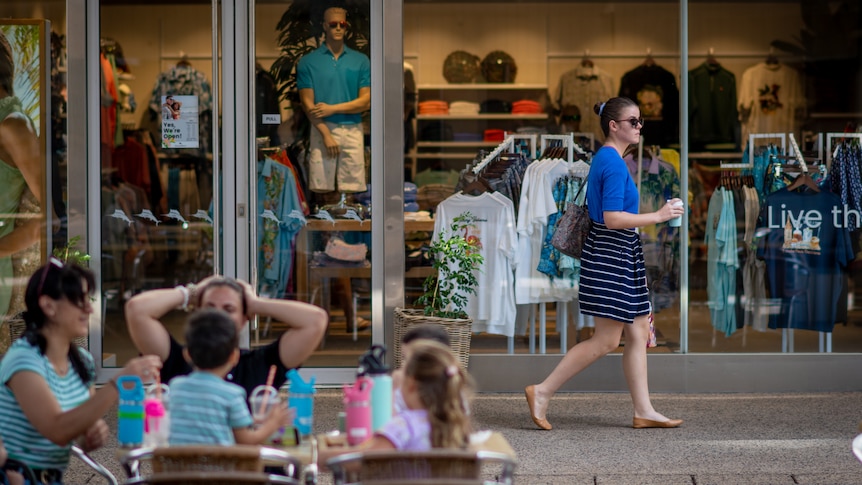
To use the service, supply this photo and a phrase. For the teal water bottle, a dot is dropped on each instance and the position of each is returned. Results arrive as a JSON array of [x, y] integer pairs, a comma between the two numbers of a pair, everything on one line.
[[381, 400], [371, 365], [301, 398], [130, 412]]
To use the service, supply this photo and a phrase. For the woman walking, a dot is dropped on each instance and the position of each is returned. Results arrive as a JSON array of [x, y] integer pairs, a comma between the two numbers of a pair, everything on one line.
[[613, 285]]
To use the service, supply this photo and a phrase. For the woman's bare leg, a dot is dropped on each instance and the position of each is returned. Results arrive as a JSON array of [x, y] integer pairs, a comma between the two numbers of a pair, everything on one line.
[[635, 368], [578, 358]]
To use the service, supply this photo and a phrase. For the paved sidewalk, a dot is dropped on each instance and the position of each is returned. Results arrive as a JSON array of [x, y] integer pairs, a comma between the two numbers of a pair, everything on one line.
[[727, 439]]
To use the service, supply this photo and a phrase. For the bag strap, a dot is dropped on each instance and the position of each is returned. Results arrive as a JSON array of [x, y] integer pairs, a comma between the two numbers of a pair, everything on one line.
[[580, 189]]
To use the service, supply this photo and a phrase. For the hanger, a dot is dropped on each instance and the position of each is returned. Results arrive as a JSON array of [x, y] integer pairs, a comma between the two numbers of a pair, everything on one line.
[[184, 60], [586, 61], [710, 57], [803, 179], [771, 58], [649, 61], [477, 187]]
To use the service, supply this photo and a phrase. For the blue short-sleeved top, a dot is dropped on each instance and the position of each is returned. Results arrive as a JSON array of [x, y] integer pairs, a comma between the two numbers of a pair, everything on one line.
[[205, 409], [334, 80], [610, 186], [22, 440]]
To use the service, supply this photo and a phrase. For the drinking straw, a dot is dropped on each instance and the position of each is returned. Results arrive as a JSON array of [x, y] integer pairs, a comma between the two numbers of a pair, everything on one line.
[[158, 386], [269, 380]]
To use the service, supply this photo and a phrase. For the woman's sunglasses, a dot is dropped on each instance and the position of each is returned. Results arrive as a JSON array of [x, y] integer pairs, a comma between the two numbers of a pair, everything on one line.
[[634, 121], [343, 24]]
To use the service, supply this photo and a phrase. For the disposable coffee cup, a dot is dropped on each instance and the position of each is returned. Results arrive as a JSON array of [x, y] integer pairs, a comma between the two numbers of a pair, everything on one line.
[[676, 221]]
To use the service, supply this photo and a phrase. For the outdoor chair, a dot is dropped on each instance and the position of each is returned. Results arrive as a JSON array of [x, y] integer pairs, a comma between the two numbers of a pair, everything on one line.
[[439, 466], [214, 465], [77, 453]]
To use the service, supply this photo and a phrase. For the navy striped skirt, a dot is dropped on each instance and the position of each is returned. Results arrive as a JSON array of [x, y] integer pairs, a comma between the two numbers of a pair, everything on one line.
[[613, 278]]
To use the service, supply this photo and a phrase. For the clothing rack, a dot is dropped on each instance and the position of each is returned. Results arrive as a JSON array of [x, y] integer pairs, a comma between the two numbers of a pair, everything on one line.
[[568, 142], [584, 134], [798, 153], [751, 138], [507, 145], [561, 306], [830, 153]]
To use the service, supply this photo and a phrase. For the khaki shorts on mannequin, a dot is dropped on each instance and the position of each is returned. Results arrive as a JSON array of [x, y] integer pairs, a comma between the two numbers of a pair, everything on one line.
[[348, 168]]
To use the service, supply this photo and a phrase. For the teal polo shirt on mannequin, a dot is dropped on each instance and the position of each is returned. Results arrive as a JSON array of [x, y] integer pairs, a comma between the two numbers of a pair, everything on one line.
[[334, 80]]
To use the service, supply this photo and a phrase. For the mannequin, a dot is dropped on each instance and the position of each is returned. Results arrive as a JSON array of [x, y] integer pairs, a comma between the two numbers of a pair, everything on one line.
[[334, 83]]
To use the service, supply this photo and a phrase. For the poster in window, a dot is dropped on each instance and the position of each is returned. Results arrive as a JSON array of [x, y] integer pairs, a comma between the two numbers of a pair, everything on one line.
[[180, 122]]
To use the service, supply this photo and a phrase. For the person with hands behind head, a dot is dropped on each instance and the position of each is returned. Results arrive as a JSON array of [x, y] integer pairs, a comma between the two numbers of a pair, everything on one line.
[[48, 399], [306, 324], [436, 390], [334, 83], [613, 286], [206, 409]]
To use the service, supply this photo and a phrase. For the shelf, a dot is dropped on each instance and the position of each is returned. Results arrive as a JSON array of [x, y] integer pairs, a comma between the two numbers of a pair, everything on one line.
[[456, 144], [479, 87], [364, 226], [489, 116], [448, 156], [713, 155]]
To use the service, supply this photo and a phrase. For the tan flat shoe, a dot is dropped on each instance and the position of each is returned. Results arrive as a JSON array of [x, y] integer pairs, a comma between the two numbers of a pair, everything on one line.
[[530, 393], [640, 423]]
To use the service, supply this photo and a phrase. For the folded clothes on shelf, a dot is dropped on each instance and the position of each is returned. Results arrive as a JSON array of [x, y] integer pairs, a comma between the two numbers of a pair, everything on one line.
[[339, 250], [320, 260]]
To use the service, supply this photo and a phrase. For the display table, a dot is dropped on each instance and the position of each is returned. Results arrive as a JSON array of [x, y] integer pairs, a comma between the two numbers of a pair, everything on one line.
[[313, 279]]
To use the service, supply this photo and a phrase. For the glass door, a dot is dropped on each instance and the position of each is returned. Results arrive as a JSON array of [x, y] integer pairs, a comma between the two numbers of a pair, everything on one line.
[[156, 211], [311, 167]]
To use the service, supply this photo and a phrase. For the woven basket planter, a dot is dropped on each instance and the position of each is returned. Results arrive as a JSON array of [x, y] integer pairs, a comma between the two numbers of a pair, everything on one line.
[[16, 327], [459, 330]]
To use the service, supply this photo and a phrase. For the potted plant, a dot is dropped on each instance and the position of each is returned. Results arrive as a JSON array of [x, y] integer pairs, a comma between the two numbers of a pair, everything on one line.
[[456, 257]]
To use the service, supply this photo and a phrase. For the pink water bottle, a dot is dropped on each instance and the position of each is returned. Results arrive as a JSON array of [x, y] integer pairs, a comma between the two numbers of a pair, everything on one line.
[[357, 408]]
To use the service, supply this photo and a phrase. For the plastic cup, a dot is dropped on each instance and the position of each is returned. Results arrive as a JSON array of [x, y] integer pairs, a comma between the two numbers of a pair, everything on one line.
[[261, 401], [676, 221]]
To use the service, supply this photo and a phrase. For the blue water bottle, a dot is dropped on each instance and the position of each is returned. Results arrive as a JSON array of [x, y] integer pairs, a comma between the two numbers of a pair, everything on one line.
[[301, 398], [130, 413]]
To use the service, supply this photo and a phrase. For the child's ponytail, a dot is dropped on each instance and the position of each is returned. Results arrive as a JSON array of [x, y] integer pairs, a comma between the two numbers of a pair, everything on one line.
[[443, 388]]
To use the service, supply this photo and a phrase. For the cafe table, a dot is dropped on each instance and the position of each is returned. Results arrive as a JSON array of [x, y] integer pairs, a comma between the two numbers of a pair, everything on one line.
[[492, 441]]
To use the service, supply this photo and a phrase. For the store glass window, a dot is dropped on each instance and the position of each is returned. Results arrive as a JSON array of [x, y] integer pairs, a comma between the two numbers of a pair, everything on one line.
[[312, 102], [477, 73], [157, 126], [774, 152], [33, 160]]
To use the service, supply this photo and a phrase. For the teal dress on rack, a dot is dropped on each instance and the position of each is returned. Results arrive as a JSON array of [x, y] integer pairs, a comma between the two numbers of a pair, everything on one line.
[[13, 185]]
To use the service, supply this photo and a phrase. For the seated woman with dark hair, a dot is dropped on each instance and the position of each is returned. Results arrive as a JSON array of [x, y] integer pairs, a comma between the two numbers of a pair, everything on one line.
[[47, 397]]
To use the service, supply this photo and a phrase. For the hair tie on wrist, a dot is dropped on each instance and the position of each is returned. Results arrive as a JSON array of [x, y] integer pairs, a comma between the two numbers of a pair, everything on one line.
[[601, 108]]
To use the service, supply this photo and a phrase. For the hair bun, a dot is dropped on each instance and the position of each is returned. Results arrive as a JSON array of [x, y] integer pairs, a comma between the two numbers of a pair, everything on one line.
[[597, 108]]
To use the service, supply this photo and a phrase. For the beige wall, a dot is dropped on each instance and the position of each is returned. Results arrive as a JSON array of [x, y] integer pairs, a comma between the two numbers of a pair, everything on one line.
[[547, 39]]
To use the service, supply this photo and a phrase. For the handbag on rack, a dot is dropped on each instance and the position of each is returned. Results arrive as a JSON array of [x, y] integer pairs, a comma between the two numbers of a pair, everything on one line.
[[572, 228]]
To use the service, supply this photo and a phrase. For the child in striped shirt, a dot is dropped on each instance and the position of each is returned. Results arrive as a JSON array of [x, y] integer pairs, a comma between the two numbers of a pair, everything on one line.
[[205, 408]]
